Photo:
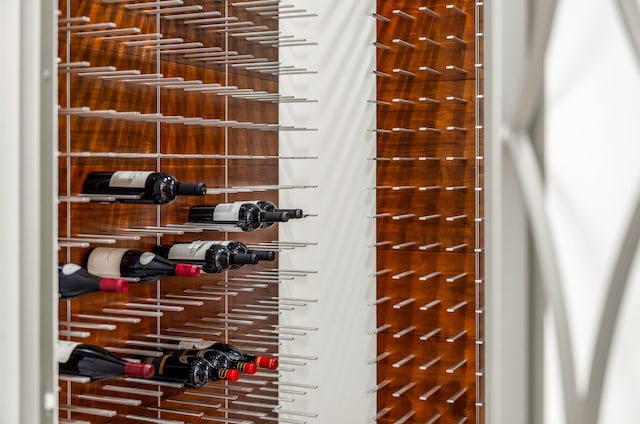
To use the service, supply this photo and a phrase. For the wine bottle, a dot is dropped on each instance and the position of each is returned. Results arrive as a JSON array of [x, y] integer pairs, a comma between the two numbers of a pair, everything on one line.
[[151, 187], [143, 266], [74, 281], [231, 217], [233, 353], [269, 215], [222, 368], [96, 363], [213, 256], [192, 372], [270, 207], [237, 247]]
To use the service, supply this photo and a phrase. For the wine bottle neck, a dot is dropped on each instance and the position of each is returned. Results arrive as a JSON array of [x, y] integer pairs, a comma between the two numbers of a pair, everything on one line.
[[274, 217], [191, 189], [244, 259]]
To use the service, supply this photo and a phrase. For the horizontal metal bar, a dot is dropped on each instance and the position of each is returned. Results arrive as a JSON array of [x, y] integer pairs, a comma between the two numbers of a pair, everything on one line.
[[89, 411], [110, 318], [110, 399], [151, 420], [108, 327], [140, 352], [132, 390]]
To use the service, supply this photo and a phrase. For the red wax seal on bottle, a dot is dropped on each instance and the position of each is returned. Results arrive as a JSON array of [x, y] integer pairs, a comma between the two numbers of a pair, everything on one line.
[[232, 375], [266, 362], [187, 270], [117, 285], [248, 367], [139, 370]]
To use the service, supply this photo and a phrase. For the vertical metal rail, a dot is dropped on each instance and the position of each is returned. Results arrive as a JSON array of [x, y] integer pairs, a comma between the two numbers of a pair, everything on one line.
[[227, 5], [158, 168], [478, 219], [67, 13]]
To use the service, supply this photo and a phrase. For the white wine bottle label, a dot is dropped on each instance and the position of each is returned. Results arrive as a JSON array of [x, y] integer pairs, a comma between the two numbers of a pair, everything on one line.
[[147, 257], [195, 250], [69, 269], [195, 345], [105, 262], [227, 212], [129, 179], [64, 350]]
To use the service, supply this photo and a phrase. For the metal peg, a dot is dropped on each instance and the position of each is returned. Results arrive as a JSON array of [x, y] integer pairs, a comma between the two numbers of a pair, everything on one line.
[[455, 9], [404, 303], [428, 394], [403, 15], [456, 366], [457, 306], [403, 390], [430, 334], [429, 12], [404, 332], [403, 43], [456, 337], [403, 361], [456, 396]]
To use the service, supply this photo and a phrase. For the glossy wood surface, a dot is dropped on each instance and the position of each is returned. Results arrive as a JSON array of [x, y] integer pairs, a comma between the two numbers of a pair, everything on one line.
[[427, 173], [99, 134]]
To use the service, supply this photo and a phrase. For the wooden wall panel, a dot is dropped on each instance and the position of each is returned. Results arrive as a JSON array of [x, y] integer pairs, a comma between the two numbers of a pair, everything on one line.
[[427, 209], [85, 142]]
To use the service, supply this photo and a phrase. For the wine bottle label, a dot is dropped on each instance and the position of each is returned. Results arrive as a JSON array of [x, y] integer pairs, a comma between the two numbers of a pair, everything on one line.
[[147, 257], [195, 345], [69, 269], [64, 350], [129, 179], [190, 251], [227, 212], [105, 262]]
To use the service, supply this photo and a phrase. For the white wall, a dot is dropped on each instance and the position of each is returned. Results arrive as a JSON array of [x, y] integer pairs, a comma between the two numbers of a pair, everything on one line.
[[344, 59], [9, 212], [591, 155]]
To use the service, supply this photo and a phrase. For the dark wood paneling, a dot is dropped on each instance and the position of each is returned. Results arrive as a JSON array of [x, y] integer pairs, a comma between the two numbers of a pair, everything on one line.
[[428, 128], [97, 134]]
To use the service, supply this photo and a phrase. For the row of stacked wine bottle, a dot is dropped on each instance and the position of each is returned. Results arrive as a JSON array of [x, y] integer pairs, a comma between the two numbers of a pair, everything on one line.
[[110, 265], [161, 188], [112, 269], [189, 364]]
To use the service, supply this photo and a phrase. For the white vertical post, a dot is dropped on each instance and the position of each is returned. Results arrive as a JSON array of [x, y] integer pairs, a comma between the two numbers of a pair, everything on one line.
[[10, 213], [508, 396], [37, 223]]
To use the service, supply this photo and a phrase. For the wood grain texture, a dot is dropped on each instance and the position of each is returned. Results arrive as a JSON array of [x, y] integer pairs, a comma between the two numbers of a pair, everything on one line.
[[426, 167], [103, 135]]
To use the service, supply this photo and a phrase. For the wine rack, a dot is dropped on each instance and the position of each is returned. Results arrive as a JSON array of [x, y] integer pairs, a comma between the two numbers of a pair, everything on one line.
[[429, 211], [189, 88]]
